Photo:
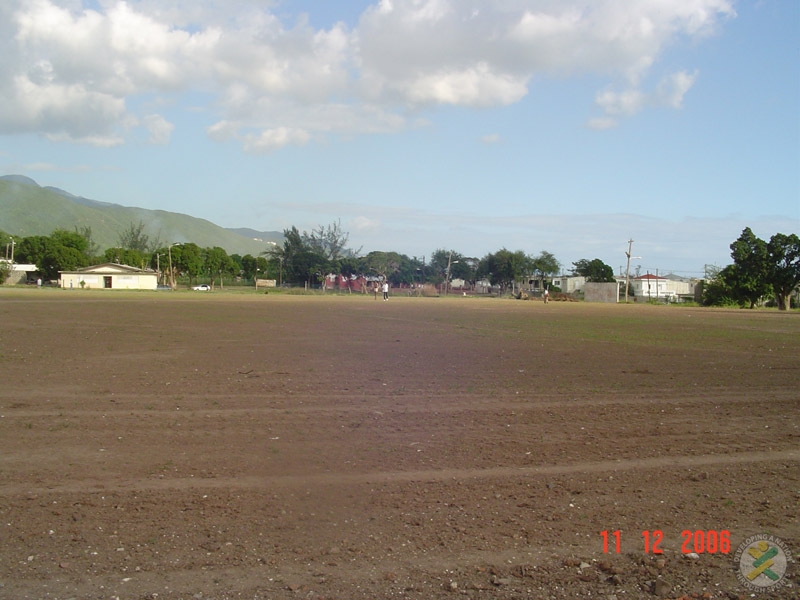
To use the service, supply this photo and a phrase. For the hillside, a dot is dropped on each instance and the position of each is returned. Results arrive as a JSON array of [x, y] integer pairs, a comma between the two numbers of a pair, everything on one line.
[[28, 209]]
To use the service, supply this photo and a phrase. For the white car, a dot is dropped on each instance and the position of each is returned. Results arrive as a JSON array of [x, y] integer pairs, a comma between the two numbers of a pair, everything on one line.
[[203, 287]]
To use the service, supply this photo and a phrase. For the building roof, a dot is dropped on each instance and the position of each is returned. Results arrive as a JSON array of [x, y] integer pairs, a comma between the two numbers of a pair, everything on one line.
[[110, 269], [648, 277]]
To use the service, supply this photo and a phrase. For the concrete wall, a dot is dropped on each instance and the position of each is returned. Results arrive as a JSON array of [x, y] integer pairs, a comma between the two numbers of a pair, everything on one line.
[[601, 292]]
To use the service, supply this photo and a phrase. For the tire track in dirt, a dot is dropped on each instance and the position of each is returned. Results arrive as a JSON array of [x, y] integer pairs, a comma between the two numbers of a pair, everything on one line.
[[417, 476], [18, 408]]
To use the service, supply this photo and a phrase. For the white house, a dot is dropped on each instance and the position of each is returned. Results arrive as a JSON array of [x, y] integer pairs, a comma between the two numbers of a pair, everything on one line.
[[649, 287], [669, 288], [109, 276]]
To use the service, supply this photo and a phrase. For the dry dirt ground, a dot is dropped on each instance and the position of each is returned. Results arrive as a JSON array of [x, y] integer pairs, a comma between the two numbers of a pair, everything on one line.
[[221, 445]]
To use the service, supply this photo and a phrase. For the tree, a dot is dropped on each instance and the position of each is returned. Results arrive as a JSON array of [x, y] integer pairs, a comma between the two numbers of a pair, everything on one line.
[[6, 245], [135, 238], [594, 270], [382, 264], [254, 267], [783, 252], [329, 241], [750, 278], [719, 288], [443, 259], [92, 248], [298, 262], [187, 258], [545, 264], [349, 266], [70, 239], [216, 262], [126, 256], [465, 269], [504, 268], [61, 251]]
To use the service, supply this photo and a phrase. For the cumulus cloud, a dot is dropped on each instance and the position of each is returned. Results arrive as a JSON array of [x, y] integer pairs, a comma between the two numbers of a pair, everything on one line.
[[669, 93], [473, 86], [73, 69], [672, 89], [160, 129], [273, 139]]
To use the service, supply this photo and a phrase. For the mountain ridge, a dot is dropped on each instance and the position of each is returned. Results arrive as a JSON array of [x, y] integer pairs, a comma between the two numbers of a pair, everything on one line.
[[28, 209]]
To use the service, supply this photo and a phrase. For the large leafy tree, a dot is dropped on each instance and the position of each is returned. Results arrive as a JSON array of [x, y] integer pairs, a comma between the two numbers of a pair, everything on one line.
[[783, 252], [188, 259], [505, 267], [254, 267], [62, 250], [750, 277], [70, 239], [217, 263], [382, 264], [594, 270], [545, 264]]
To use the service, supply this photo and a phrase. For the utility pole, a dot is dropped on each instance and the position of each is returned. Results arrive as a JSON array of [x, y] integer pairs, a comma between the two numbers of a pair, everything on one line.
[[628, 269], [450, 262]]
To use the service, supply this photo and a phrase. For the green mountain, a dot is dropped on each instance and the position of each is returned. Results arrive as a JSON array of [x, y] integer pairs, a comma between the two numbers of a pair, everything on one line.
[[28, 209]]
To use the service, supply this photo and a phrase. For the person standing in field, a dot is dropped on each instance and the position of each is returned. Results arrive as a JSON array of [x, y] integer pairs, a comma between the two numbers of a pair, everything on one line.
[[546, 295], [385, 290]]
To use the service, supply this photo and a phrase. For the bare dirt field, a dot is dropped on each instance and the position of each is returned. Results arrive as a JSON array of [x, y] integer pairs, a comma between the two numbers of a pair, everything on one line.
[[222, 445]]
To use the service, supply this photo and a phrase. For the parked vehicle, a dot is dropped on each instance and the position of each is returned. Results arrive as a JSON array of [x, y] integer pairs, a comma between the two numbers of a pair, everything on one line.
[[203, 287]]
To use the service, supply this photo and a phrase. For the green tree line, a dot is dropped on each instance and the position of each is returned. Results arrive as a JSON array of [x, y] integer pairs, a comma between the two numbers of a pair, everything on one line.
[[303, 259]]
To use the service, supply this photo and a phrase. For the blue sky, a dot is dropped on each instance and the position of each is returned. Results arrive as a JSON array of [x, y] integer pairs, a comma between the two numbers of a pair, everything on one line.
[[561, 125]]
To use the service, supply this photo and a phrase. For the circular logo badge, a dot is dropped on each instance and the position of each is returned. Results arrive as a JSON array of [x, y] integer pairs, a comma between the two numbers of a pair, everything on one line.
[[761, 562]]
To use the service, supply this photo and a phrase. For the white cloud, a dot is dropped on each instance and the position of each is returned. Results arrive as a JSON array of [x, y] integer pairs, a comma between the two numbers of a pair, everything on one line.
[[473, 86], [672, 89], [491, 138], [160, 129], [668, 94], [72, 72], [625, 103], [273, 139]]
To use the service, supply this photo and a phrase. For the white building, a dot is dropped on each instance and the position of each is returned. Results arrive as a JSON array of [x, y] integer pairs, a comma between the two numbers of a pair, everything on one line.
[[671, 288], [17, 272], [569, 284], [109, 276]]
